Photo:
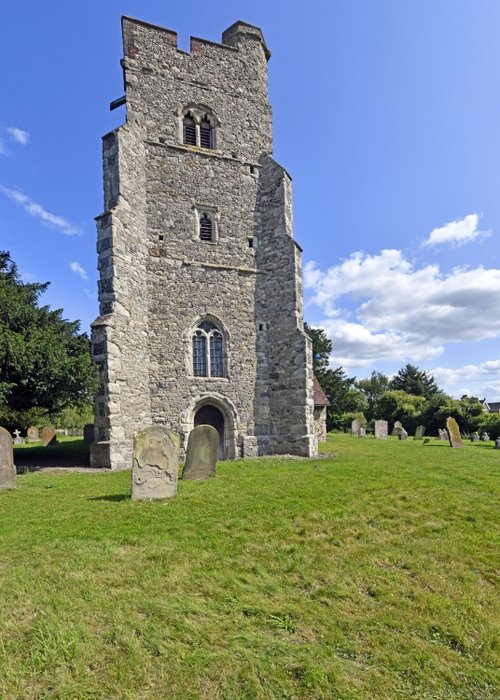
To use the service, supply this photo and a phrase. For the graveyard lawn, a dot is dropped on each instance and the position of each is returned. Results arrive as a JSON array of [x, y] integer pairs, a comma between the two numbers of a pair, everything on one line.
[[68, 452], [366, 574]]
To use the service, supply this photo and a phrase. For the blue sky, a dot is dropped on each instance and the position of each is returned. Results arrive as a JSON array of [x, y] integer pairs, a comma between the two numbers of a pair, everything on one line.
[[386, 113]]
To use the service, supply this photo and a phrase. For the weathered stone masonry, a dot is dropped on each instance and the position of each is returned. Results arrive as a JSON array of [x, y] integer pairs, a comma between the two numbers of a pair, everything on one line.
[[163, 275]]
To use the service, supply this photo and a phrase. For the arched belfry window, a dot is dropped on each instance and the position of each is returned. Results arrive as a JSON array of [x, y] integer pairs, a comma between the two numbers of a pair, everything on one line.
[[206, 133], [206, 227], [189, 126], [208, 350]]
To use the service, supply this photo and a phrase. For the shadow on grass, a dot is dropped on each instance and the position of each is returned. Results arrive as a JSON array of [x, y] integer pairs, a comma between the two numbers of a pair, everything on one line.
[[113, 498]]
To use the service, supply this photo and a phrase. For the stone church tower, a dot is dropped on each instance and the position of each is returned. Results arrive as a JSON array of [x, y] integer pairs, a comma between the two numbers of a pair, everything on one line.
[[200, 292]]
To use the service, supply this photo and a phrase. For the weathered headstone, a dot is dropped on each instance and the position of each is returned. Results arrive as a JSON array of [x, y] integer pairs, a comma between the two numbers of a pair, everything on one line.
[[454, 432], [485, 437], [355, 425], [201, 453], [475, 437], [497, 443], [155, 464], [88, 433], [420, 432], [381, 430], [7, 468], [397, 428], [443, 434], [362, 432], [403, 435], [49, 436], [33, 434], [18, 440]]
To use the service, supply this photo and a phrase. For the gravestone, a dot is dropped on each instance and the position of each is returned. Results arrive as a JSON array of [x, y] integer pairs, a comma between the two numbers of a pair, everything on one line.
[[427, 441], [155, 464], [443, 434], [362, 433], [33, 434], [397, 428], [7, 468], [381, 430], [88, 433], [485, 437], [18, 440], [403, 435], [497, 443], [420, 432], [49, 436], [475, 437], [201, 454], [355, 425], [454, 433]]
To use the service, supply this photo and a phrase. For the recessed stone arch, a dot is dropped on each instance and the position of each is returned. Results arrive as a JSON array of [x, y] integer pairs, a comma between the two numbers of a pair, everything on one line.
[[188, 345], [229, 414]]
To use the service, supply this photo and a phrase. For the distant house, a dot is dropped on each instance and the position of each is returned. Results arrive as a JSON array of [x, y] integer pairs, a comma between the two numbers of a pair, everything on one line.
[[320, 404], [491, 406]]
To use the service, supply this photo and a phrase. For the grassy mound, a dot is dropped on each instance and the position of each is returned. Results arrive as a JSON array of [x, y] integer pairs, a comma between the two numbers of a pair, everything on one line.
[[368, 574]]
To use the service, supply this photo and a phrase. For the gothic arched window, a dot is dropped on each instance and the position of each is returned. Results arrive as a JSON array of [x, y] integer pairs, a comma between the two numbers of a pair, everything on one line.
[[189, 127], [208, 350], [206, 129]]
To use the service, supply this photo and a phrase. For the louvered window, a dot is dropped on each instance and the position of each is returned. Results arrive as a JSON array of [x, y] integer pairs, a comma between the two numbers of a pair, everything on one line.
[[208, 351], [189, 130], [205, 133], [206, 228]]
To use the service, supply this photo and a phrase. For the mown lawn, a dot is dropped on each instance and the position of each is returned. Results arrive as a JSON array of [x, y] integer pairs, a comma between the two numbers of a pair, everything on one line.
[[370, 574]]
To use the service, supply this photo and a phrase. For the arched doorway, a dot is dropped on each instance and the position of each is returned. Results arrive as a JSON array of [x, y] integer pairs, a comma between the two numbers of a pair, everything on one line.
[[210, 415]]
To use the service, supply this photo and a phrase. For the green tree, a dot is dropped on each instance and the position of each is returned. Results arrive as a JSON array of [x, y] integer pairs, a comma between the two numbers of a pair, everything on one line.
[[398, 405], [45, 362], [414, 381], [373, 389]]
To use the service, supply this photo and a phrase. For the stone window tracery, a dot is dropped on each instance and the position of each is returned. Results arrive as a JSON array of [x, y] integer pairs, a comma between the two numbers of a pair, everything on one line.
[[208, 350], [198, 127]]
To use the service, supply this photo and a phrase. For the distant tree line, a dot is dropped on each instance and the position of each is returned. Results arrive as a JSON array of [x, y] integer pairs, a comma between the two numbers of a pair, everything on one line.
[[412, 396]]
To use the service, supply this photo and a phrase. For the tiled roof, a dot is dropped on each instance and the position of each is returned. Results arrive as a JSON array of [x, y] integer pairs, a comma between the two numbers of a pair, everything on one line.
[[319, 395]]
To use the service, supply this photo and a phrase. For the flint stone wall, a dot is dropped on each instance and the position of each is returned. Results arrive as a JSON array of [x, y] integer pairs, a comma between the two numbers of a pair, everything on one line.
[[158, 280]]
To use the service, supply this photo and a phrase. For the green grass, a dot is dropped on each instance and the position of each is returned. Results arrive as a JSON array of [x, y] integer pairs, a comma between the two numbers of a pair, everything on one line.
[[366, 574], [69, 451]]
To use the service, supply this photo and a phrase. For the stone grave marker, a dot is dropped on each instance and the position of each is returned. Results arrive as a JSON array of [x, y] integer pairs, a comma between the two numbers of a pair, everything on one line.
[[362, 432], [7, 468], [443, 434], [201, 454], [33, 434], [381, 429], [403, 435], [454, 433], [88, 433], [155, 464], [18, 440], [420, 432], [475, 437], [497, 443], [49, 436], [485, 437], [355, 425], [397, 427]]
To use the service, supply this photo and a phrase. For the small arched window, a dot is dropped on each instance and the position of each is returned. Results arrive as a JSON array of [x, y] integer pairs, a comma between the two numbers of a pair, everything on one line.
[[206, 140], [206, 227], [208, 355], [189, 126]]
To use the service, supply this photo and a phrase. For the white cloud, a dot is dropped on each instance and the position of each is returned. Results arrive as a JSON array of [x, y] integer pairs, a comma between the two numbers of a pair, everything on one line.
[[380, 307], [482, 380], [34, 209], [18, 135], [457, 232], [76, 267]]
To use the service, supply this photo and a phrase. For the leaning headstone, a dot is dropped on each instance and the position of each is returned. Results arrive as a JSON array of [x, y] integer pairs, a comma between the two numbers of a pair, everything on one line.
[[7, 468], [155, 464], [33, 434], [397, 427], [454, 433], [355, 426], [381, 430], [497, 443], [18, 440], [88, 433], [420, 432], [49, 436], [201, 454], [485, 437], [475, 437], [362, 432], [403, 435]]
